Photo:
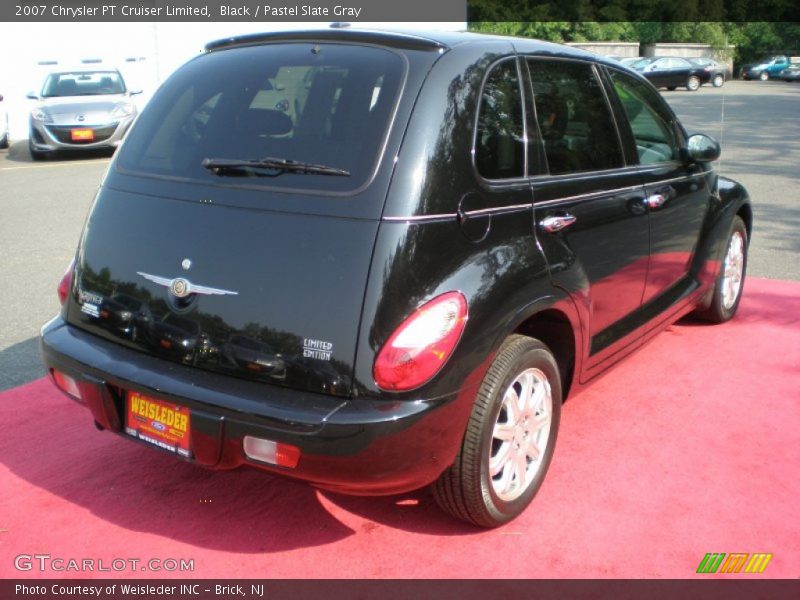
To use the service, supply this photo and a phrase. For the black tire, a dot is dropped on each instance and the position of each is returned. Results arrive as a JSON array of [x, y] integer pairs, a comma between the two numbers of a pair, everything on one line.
[[466, 490], [719, 311], [718, 81], [693, 83], [671, 88]]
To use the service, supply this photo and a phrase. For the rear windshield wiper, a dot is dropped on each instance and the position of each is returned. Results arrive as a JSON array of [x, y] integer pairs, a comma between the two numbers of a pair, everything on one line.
[[236, 166]]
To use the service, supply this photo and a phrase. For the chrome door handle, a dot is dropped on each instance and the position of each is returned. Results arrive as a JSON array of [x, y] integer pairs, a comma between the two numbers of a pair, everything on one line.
[[655, 201], [557, 222]]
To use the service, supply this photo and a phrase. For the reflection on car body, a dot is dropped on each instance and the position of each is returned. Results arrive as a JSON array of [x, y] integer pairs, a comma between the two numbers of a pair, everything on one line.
[[241, 352], [178, 337], [126, 316]]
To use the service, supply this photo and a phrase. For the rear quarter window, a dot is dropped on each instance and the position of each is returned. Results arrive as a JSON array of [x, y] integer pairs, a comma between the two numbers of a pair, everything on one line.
[[500, 141], [327, 104]]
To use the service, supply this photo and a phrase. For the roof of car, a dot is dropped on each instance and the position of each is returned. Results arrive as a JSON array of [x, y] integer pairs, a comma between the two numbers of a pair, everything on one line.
[[408, 39], [93, 68]]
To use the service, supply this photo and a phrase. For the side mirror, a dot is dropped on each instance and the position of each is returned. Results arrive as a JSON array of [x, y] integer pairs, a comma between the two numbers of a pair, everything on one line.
[[32, 96], [702, 148]]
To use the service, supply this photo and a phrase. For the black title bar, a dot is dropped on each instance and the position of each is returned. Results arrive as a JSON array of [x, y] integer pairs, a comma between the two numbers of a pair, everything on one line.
[[252, 589], [233, 10]]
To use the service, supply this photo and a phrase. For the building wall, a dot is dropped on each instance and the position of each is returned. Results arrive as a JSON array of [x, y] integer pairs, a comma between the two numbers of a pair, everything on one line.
[[620, 49]]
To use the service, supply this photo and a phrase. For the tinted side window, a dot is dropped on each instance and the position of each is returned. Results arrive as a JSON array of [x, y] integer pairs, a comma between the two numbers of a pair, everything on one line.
[[500, 143], [656, 138], [574, 118]]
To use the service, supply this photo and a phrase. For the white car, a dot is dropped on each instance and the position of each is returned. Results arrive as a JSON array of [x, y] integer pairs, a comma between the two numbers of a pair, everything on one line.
[[4, 138]]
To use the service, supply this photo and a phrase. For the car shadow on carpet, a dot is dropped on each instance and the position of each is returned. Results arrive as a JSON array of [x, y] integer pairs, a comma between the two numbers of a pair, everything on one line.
[[143, 490]]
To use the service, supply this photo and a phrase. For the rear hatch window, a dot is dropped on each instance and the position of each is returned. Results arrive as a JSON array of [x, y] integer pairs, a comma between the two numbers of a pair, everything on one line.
[[317, 105]]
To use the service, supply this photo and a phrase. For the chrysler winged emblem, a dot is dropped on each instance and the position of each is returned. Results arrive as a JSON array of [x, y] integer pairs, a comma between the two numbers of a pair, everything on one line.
[[180, 287]]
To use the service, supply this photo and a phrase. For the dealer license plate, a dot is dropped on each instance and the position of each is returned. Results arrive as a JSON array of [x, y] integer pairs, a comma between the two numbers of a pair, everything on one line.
[[160, 423], [82, 135]]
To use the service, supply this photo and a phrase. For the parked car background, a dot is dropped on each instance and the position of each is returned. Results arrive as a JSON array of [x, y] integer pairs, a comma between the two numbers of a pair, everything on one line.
[[717, 71], [766, 68], [791, 73], [5, 137], [672, 72], [82, 108]]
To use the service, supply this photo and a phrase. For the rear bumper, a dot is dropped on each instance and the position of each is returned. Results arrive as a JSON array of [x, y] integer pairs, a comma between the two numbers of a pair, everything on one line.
[[357, 446]]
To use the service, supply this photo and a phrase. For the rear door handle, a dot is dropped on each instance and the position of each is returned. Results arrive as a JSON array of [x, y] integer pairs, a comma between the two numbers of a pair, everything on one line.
[[556, 223]]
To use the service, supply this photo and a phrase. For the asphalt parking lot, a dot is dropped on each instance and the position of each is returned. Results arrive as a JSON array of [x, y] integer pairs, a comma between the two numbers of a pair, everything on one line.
[[44, 205], [758, 125]]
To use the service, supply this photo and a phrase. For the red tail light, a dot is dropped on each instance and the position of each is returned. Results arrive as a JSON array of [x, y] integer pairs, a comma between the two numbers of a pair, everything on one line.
[[422, 344], [66, 283]]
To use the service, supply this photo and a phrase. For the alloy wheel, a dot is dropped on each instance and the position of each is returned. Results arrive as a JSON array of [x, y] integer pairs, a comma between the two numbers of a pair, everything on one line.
[[733, 269], [520, 434]]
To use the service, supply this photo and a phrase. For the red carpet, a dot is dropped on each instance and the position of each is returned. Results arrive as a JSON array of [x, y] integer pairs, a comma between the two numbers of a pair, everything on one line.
[[690, 446]]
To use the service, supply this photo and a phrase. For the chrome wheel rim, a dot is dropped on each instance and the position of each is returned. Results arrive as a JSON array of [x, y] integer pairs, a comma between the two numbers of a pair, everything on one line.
[[694, 83], [520, 434], [733, 269]]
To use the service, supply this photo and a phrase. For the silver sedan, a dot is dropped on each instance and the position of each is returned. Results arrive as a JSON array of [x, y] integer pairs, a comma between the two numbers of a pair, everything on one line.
[[80, 109]]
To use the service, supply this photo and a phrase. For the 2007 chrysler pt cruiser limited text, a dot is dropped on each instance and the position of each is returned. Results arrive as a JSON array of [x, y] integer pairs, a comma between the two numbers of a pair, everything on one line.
[[376, 261]]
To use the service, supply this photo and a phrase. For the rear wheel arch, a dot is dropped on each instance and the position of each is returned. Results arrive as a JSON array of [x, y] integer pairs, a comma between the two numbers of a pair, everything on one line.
[[555, 330]]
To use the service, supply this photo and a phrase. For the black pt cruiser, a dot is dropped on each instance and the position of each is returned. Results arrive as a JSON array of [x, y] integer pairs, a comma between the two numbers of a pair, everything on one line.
[[376, 261]]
